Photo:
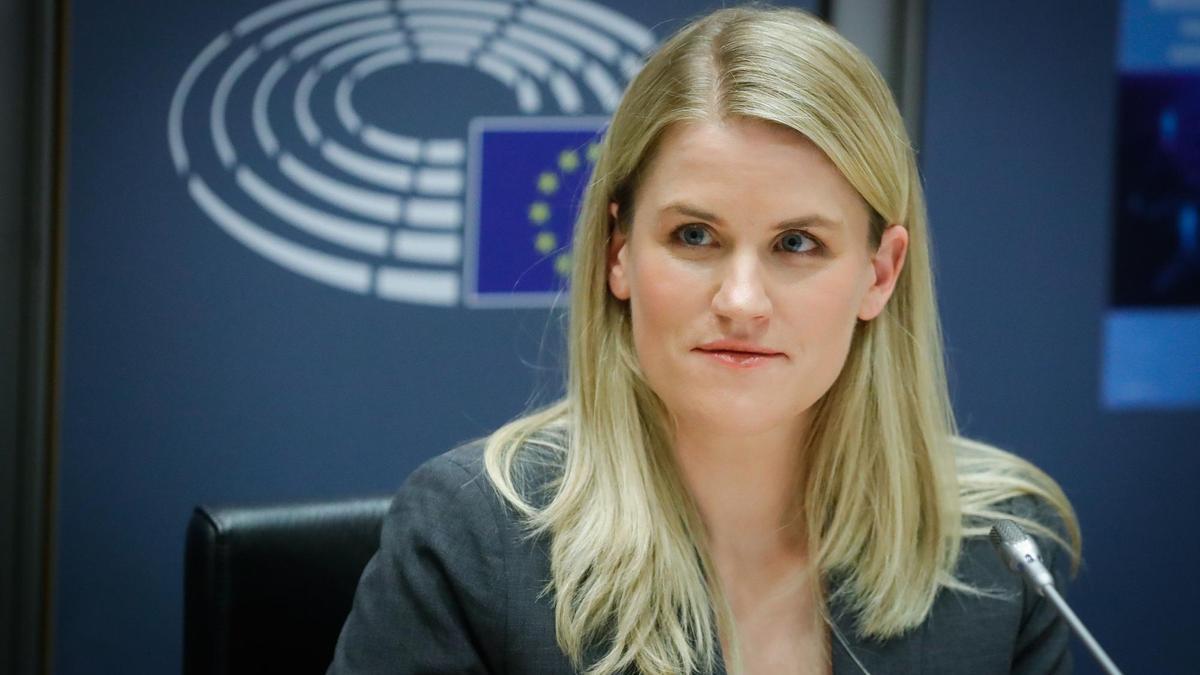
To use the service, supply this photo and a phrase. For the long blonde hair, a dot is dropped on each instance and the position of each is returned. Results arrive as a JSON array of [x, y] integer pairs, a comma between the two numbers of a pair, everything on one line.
[[889, 490]]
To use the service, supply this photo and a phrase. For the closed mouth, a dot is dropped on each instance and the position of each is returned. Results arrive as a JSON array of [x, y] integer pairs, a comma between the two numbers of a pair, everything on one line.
[[739, 358]]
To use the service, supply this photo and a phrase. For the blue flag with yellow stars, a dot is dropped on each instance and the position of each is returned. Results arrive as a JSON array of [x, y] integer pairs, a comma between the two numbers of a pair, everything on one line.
[[526, 183]]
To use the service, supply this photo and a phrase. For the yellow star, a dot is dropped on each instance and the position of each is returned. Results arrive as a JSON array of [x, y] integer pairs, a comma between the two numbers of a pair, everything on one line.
[[539, 212], [545, 242], [568, 160], [547, 182], [562, 264], [593, 152]]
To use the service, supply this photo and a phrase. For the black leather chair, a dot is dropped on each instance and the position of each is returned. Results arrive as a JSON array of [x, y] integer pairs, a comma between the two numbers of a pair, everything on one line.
[[267, 588]]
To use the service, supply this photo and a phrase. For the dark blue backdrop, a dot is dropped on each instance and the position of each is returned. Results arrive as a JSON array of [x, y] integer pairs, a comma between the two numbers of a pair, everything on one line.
[[1018, 159], [195, 371]]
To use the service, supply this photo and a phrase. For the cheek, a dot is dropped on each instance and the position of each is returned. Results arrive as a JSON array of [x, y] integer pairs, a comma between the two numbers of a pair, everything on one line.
[[822, 314], [666, 299], [664, 284]]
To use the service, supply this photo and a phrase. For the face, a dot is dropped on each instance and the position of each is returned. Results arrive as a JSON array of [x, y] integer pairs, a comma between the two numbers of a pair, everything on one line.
[[746, 267]]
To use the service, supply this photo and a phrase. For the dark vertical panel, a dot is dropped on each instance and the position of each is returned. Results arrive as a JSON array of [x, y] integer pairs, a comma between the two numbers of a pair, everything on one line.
[[891, 33], [912, 63], [1018, 156], [28, 124]]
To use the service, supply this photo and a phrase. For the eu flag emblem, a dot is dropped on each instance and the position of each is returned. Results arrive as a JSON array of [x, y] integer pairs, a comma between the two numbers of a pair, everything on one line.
[[527, 176]]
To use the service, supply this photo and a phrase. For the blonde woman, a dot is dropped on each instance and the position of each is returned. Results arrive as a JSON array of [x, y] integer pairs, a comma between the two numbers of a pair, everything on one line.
[[755, 468]]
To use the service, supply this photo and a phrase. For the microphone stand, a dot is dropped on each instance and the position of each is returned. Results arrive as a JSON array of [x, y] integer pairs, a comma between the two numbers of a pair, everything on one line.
[[1020, 552], [1080, 630]]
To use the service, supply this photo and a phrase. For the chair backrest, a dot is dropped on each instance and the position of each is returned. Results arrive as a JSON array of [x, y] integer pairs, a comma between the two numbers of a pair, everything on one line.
[[267, 588]]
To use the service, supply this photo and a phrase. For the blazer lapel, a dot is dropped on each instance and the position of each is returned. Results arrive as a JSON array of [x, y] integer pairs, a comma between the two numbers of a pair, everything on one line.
[[900, 655]]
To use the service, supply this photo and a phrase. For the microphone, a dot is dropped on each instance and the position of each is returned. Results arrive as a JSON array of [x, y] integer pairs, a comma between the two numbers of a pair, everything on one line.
[[1020, 552]]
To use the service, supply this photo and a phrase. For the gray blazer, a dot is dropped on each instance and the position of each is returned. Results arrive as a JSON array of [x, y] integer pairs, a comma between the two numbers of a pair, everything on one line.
[[457, 588]]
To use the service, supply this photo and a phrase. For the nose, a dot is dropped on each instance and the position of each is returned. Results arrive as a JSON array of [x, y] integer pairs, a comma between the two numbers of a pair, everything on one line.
[[742, 294]]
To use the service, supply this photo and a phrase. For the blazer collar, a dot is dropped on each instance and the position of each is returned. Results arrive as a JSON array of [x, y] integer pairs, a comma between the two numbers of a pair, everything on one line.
[[901, 654]]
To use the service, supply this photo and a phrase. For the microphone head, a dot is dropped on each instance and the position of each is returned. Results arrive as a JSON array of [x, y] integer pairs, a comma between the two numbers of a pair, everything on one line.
[[1020, 552], [1005, 531]]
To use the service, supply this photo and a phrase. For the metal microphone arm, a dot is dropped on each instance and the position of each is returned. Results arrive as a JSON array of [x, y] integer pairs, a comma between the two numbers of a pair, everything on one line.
[[1021, 554], [1081, 630]]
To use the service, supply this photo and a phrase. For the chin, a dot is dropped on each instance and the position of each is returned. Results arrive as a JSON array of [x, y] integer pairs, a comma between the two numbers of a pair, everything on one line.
[[741, 416]]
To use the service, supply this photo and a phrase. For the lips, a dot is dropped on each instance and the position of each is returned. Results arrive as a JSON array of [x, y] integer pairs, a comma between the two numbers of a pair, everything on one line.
[[738, 354], [738, 347]]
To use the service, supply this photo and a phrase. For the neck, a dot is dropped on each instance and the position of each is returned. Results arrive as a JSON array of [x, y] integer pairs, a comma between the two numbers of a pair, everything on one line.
[[744, 487]]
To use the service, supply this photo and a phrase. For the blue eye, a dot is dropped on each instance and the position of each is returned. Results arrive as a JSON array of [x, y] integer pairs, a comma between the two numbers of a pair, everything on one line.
[[797, 242], [693, 235]]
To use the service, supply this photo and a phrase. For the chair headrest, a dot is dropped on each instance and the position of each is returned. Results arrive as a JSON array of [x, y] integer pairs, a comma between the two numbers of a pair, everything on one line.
[[267, 588]]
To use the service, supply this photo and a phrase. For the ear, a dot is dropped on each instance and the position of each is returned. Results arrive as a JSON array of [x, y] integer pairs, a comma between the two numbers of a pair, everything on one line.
[[886, 263], [618, 283]]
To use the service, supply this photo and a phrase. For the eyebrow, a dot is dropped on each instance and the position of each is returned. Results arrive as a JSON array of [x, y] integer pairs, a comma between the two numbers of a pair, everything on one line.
[[692, 211]]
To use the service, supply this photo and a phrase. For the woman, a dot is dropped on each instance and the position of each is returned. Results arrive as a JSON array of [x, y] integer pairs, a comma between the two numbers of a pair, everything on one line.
[[755, 467]]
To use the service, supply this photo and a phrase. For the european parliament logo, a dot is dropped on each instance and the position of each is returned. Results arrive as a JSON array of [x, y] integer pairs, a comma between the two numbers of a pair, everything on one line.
[[528, 177], [283, 130]]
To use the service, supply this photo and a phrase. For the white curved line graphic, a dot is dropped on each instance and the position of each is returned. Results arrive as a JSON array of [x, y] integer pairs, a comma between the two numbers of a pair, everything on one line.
[[427, 247], [357, 48], [585, 37], [565, 92], [497, 9], [393, 145], [630, 66], [353, 235], [421, 286], [301, 110], [335, 271], [220, 98], [345, 110], [559, 51], [333, 36], [350, 198], [444, 151], [458, 23], [602, 85], [407, 148], [630, 31], [454, 56], [385, 174], [262, 97], [440, 214], [270, 13], [321, 19], [529, 98], [381, 60], [175, 116], [532, 62], [440, 182], [436, 39], [498, 69]]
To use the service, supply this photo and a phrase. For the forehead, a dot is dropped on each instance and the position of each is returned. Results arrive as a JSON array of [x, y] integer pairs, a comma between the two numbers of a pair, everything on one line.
[[747, 169]]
